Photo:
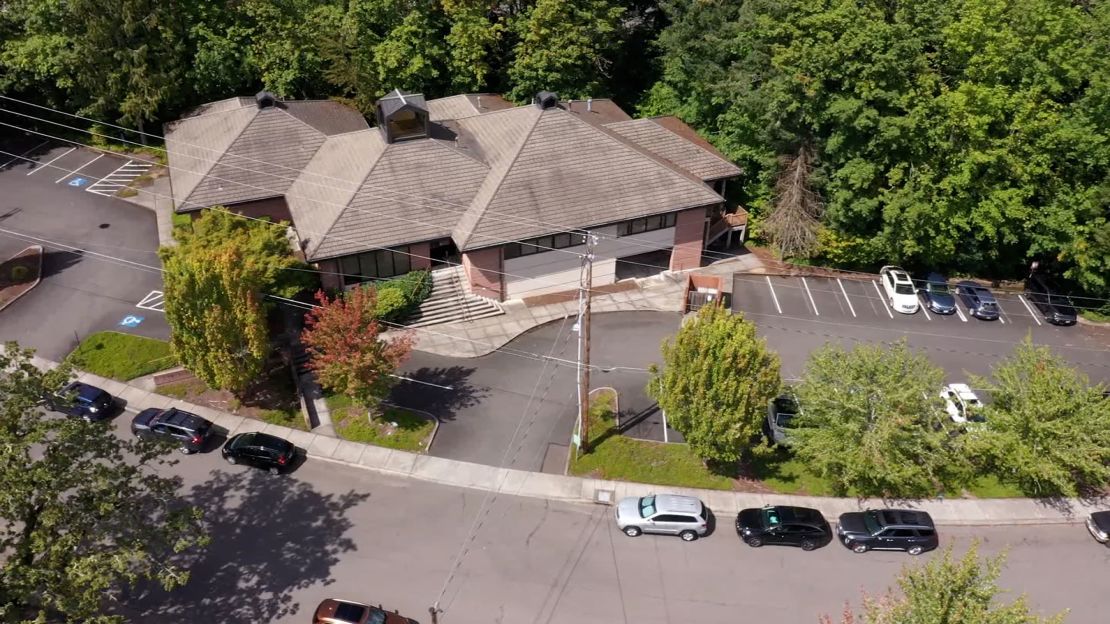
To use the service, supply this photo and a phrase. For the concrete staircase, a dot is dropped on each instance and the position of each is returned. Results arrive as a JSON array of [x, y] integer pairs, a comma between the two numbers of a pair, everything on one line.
[[450, 301]]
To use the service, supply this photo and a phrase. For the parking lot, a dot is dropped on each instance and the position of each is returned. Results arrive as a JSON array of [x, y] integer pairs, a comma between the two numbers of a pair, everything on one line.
[[799, 314], [101, 258]]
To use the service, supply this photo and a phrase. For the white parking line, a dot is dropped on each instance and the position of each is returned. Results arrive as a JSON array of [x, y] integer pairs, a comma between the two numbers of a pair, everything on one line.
[[882, 299], [154, 300], [773, 295], [78, 169], [961, 314], [811, 301], [1001, 312], [845, 293], [15, 158], [1030, 308], [110, 184], [927, 317], [48, 163]]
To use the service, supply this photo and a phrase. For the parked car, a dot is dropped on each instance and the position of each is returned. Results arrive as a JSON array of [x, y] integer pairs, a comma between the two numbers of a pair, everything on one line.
[[938, 297], [189, 431], [81, 400], [792, 526], [333, 611], [1057, 309], [887, 529], [1098, 523], [979, 300], [261, 450], [780, 411], [900, 293], [961, 403], [668, 514]]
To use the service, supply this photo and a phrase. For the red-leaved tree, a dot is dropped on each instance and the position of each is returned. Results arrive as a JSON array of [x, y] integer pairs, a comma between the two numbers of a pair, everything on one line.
[[345, 350]]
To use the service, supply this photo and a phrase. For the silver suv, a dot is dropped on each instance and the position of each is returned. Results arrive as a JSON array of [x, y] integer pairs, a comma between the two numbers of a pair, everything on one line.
[[670, 514]]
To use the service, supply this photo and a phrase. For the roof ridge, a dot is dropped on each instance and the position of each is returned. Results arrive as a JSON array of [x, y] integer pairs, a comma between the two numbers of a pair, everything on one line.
[[302, 122], [504, 174], [442, 143], [215, 162]]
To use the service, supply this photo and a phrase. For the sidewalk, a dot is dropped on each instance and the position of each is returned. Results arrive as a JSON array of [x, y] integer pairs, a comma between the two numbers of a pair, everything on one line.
[[663, 292], [156, 197], [576, 489]]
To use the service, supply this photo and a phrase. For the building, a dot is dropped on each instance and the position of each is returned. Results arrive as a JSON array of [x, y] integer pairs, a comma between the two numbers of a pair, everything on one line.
[[503, 190]]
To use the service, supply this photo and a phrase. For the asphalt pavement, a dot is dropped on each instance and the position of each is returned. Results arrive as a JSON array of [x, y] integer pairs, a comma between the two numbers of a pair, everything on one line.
[[101, 252], [282, 544], [508, 407]]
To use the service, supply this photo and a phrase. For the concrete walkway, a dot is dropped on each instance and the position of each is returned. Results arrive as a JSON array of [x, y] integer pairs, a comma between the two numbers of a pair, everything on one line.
[[663, 292], [575, 489], [155, 196]]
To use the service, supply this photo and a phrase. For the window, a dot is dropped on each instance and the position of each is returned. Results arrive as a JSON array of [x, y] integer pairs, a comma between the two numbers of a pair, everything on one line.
[[902, 533], [541, 244], [925, 532], [647, 506], [646, 224], [382, 263]]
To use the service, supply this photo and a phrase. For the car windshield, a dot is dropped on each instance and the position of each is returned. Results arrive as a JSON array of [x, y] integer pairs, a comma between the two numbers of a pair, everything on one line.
[[937, 288], [871, 522], [351, 612], [377, 616], [647, 506], [782, 419], [904, 289], [771, 517]]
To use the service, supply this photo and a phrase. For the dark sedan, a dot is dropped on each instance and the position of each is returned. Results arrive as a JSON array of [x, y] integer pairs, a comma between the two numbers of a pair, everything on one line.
[[938, 297], [790, 526], [187, 430], [1098, 524], [979, 300], [81, 400], [260, 450], [1045, 296], [887, 529]]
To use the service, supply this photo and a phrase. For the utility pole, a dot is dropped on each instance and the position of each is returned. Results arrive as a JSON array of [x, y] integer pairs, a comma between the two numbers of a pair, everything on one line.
[[585, 295]]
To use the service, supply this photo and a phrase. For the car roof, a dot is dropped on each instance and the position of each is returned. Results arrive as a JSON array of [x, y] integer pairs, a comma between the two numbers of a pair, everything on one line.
[[271, 441], [904, 517], [963, 390], [83, 390], [899, 273], [182, 418], [799, 514], [675, 503]]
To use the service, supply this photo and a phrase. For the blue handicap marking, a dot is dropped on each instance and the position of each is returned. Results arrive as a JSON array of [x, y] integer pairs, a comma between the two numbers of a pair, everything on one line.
[[131, 321], [79, 182]]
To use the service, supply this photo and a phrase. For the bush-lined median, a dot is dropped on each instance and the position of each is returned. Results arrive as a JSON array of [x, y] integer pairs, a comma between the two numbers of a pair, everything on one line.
[[395, 428]]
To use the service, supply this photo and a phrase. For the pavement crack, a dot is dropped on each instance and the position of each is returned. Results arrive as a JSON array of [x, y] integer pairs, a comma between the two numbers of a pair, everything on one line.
[[543, 518]]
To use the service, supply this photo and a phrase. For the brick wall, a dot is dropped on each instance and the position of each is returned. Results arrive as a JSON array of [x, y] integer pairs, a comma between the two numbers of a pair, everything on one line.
[[275, 208], [421, 255], [483, 272], [329, 274], [688, 232]]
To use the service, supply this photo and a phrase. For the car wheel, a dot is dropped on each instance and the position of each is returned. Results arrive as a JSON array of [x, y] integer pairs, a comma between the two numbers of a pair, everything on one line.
[[859, 548], [231, 460], [915, 550], [274, 470], [632, 531], [809, 545], [688, 536], [755, 542], [184, 450]]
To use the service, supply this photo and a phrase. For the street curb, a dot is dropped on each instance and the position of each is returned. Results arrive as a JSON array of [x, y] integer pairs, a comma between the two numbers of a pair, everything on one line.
[[42, 253]]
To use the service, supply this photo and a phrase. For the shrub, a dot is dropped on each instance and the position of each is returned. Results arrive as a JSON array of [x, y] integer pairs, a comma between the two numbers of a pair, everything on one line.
[[20, 273], [399, 297], [392, 304]]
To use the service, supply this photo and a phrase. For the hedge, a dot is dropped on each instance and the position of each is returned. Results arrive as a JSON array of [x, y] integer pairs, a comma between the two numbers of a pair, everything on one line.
[[398, 298]]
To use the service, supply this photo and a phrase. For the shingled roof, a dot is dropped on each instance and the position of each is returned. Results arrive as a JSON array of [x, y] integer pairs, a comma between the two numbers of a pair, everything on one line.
[[704, 161], [235, 151], [490, 174]]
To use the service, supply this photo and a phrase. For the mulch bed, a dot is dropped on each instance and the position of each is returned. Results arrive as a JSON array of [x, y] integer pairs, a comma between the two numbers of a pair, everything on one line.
[[273, 392], [19, 274]]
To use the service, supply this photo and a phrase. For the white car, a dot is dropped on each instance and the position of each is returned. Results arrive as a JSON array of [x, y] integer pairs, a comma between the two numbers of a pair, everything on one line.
[[961, 403], [900, 293]]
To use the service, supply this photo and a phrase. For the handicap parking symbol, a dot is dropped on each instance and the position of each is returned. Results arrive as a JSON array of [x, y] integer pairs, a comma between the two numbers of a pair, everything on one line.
[[131, 321], [79, 182]]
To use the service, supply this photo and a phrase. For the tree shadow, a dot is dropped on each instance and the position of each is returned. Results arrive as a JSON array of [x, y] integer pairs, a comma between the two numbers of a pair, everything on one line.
[[281, 537], [55, 262], [444, 403]]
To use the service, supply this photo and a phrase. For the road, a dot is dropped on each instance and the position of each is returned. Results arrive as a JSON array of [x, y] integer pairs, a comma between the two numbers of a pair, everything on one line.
[[281, 544]]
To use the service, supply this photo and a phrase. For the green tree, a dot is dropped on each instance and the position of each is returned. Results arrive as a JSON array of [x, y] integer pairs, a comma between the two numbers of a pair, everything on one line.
[[1046, 425], [70, 495], [949, 591], [564, 46], [215, 279], [716, 379], [413, 55], [470, 42], [287, 41], [871, 422], [346, 351]]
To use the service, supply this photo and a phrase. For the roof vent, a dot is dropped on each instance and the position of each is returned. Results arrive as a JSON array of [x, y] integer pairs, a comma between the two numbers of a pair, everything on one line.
[[265, 99], [547, 99]]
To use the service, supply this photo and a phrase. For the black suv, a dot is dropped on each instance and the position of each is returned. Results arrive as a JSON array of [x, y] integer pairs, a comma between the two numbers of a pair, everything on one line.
[[261, 450], [189, 431], [82, 401], [1056, 308], [887, 529], [791, 526]]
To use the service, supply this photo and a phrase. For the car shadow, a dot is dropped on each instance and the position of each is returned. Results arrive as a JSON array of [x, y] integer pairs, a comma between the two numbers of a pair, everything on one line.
[[710, 522], [270, 538]]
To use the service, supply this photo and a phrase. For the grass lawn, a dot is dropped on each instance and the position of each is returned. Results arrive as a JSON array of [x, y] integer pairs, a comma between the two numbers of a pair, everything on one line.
[[989, 486], [786, 475], [122, 356], [1095, 315], [614, 456], [410, 434]]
